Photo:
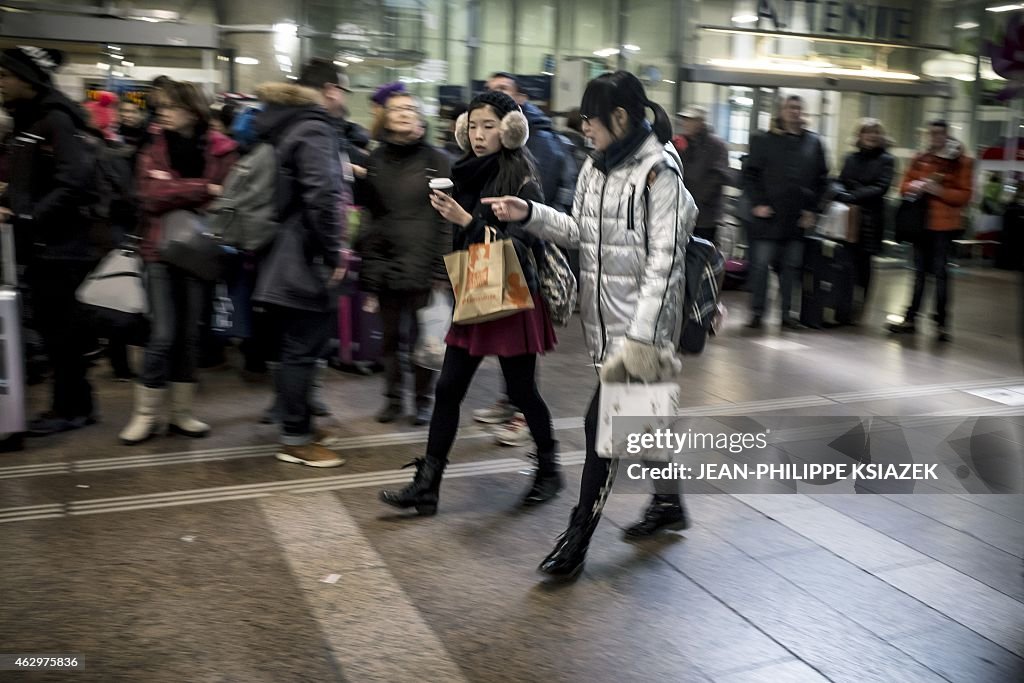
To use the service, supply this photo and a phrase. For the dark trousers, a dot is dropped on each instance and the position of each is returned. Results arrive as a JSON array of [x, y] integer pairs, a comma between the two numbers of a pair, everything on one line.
[[175, 305], [599, 473], [304, 337], [520, 378], [786, 257], [931, 255], [401, 330], [65, 331]]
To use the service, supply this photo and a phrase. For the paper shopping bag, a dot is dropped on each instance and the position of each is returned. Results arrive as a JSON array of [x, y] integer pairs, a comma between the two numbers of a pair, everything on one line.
[[488, 281], [840, 222], [651, 407]]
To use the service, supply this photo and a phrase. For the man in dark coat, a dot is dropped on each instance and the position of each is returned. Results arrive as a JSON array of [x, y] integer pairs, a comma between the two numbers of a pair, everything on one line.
[[785, 177], [298, 279], [705, 169], [52, 165]]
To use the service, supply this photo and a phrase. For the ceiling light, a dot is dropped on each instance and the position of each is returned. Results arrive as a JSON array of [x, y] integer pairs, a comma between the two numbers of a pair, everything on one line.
[[1005, 8], [964, 25], [743, 101], [607, 52], [113, 47], [665, 80], [631, 48], [148, 20], [286, 29], [811, 68], [355, 60], [284, 60], [249, 61], [128, 64], [102, 66], [745, 19], [339, 63]]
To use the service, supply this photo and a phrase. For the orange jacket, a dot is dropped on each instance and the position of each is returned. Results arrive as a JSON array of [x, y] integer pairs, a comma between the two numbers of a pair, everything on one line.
[[956, 176]]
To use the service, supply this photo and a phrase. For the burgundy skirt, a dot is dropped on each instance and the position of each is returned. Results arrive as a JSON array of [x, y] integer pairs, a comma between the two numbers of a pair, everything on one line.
[[526, 332]]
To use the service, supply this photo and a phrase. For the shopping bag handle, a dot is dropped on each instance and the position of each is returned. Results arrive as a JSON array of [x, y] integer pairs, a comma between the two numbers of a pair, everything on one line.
[[490, 234]]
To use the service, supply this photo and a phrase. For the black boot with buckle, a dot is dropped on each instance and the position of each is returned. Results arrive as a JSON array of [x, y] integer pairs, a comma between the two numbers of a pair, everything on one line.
[[664, 512], [422, 493]]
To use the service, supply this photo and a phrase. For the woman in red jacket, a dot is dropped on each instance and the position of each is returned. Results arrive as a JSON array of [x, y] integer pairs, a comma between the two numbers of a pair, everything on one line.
[[182, 168]]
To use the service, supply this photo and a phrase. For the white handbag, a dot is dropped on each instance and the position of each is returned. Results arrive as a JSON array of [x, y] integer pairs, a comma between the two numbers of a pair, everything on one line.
[[654, 406], [434, 320], [116, 284]]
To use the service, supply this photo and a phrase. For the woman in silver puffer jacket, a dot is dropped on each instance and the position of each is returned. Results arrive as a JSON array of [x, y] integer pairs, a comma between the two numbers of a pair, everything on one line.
[[631, 220]]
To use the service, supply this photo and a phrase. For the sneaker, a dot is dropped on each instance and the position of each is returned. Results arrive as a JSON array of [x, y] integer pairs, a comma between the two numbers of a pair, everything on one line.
[[328, 438], [500, 413], [311, 454], [514, 433]]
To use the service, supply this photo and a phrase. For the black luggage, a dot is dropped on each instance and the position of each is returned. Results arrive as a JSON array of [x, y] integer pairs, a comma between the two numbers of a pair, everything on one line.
[[828, 285]]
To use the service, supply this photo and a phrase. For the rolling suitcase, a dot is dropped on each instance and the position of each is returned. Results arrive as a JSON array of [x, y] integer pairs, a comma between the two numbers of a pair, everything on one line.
[[12, 350], [828, 284], [360, 330]]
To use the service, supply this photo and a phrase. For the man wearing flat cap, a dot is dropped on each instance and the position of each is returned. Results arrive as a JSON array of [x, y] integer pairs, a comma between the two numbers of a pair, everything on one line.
[[705, 169]]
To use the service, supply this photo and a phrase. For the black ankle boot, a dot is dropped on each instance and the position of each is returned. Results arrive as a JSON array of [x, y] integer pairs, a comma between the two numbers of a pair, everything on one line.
[[567, 559], [546, 486], [422, 493], [664, 512], [391, 411]]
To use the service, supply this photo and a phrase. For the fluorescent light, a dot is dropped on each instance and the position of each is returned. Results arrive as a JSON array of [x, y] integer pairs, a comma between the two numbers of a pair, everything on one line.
[[102, 66], [355, 60], [284, 60], [286, 29], [339, 63], [745, 19], [631, 48], [148, 20], [744, 101], [1005, 8], [607, 52], [250, 61], [546, 73], [113, 47], [964, 25], [810, 67], [665, 80], [128, 64]]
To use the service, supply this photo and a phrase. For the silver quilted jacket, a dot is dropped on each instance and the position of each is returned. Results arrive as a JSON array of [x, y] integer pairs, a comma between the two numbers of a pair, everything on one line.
[[632, 248]]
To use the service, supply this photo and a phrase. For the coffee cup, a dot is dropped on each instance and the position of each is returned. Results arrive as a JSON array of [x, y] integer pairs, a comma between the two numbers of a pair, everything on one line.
[[442, 185]]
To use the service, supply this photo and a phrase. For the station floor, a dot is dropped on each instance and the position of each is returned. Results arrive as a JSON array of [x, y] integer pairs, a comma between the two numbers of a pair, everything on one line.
[[209, 560]]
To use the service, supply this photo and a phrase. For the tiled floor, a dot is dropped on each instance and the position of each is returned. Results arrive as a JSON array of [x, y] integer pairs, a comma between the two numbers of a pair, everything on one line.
[[209, 560]]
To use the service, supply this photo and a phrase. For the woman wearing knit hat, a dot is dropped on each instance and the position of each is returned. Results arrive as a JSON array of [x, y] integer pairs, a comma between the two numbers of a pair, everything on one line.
[[492, 134], [631, 220]]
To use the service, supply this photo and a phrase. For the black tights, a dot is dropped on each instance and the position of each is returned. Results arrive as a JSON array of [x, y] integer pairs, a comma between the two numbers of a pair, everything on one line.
[[599, 473], [456, 375]]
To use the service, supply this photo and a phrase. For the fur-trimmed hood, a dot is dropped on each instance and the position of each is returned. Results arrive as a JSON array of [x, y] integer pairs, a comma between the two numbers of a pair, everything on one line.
[[286, 104], [953, 150], [289, 95]]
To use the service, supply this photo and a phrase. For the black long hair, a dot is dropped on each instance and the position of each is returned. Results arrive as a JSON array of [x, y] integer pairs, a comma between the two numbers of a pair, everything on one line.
[[516, 167], [609, 91]]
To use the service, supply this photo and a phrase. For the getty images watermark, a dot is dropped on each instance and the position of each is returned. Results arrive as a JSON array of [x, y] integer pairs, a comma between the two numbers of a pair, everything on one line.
[[769, 454]]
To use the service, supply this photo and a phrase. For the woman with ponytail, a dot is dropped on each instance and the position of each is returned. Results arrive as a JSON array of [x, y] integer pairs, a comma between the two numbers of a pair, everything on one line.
[[631, 220]]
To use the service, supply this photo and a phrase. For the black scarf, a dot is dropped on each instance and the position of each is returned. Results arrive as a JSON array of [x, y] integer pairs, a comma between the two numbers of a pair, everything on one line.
[[187, 155], [620, 150], [471, 174]]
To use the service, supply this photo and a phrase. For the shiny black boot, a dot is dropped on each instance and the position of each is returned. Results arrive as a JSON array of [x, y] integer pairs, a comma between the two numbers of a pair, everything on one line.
[[422, 493], [664, 512], [567, 559]]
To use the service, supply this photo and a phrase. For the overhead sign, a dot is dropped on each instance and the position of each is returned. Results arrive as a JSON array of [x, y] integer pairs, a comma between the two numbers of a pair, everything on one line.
[[846, 18]]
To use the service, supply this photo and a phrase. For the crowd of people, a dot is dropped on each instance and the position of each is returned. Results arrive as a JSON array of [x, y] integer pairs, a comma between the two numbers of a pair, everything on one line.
[[617, 190]]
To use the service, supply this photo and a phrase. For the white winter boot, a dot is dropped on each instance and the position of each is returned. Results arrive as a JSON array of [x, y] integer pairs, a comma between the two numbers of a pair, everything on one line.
[[182, 421], [147, 416]]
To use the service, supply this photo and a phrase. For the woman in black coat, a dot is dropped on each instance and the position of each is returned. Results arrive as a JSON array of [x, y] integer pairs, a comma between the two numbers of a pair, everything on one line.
[[864, 182], [403, 249]]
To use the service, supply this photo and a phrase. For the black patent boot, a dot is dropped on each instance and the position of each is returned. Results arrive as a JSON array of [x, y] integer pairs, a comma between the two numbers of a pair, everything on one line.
[[566, 561], [422, 493], [664, 512], [547, 481]]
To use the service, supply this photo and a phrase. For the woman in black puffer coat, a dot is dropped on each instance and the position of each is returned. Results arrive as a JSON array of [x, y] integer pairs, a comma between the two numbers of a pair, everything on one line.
[[403, 249], [864, 182]]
